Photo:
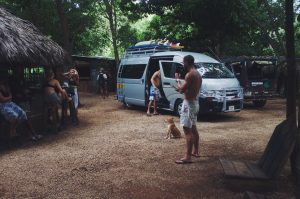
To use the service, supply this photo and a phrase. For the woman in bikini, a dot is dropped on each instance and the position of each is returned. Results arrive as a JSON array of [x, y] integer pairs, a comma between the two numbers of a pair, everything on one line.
[[53, 90], [54, 94], [13, 113]]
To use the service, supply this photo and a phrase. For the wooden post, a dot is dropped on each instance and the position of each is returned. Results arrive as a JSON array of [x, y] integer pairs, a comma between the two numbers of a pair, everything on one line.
[[291, 77], [290, 57]]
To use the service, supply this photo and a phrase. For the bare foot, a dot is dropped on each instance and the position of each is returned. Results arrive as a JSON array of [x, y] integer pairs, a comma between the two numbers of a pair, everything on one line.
[[196, 155], [183, 161]]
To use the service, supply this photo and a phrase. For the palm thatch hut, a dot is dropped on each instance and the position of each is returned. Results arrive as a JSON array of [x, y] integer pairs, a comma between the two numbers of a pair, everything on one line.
[[22, 44], [25, 53]]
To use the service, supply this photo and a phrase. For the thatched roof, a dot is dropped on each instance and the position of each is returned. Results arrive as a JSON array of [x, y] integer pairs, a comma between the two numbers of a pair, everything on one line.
[[22, 44]]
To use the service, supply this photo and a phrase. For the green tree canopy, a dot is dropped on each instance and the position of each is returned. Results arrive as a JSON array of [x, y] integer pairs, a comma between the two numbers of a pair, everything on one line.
[[228, 27]]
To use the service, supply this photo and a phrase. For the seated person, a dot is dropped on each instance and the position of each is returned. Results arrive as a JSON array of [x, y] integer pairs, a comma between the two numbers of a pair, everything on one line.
[[13, 113], [54, 94]]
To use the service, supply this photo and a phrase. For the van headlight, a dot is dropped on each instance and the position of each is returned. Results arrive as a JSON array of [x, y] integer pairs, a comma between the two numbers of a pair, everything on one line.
[[219, 94], [207, 94], [213, 93]]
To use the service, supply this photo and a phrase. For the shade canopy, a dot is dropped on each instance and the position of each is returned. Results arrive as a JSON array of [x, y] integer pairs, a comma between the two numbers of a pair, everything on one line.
[[22, 44]]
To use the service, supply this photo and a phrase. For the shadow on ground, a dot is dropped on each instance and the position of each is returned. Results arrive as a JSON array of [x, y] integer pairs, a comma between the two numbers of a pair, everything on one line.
[[22, 140], [209, 117]]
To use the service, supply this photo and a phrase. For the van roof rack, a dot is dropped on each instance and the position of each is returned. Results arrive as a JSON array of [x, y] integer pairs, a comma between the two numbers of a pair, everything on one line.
[[147, 50]]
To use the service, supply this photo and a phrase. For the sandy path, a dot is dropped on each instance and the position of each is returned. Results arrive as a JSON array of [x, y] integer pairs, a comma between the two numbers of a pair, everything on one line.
[[121, 153]]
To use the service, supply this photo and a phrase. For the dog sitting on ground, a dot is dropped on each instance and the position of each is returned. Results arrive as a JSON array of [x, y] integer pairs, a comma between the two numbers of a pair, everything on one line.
[[173, 131]]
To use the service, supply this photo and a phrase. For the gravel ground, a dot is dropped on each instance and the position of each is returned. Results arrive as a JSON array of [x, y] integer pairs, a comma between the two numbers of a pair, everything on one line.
[[121, 153]]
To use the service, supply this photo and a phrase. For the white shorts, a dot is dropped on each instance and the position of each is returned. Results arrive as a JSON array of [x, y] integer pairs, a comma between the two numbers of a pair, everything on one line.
[[154, 94], [189, 113], [75, 98]]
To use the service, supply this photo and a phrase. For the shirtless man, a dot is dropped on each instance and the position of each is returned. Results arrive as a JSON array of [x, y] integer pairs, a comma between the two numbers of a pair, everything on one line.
[[154, 92], [190, 108]]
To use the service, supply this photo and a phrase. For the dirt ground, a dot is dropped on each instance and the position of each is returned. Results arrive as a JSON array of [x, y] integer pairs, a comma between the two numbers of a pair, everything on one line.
[[121, 153]]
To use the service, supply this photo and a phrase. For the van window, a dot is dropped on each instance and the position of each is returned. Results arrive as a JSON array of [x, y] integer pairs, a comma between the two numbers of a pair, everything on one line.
[[170, 68], [133, 71], [214, 70]]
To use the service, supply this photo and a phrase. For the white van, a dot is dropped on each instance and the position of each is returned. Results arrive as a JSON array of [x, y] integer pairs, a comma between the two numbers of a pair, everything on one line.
[[220, 91]]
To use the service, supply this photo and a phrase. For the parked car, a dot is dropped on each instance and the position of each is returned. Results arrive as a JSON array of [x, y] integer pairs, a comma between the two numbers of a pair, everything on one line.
[[257, 75], [220, 91]]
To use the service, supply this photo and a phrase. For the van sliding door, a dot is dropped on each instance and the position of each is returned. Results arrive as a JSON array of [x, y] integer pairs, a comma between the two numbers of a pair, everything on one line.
[[133, 76]]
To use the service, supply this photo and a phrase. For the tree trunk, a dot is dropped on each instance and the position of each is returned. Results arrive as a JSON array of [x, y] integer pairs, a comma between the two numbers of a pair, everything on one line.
[[291, 76], [67, 44], [290, 57], [112, 18]]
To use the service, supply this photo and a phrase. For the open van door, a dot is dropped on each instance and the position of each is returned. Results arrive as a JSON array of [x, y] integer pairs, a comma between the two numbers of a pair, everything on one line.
[[168, 70]]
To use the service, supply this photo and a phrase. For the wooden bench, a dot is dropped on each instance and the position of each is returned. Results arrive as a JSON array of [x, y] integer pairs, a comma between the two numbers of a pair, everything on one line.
[[251, 195], [51, 111], [5, 126], [4, 129], [273, 159]]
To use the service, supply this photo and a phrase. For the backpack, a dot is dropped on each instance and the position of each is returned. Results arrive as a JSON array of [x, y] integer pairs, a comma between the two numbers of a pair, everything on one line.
[[100, 77]]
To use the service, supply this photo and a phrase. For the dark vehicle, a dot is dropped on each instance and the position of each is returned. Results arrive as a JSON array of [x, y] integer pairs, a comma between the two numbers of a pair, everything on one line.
[[257, 75]]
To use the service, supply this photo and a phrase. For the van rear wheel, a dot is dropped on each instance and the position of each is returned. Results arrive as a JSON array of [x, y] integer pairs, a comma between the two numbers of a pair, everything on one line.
[[178, 107]]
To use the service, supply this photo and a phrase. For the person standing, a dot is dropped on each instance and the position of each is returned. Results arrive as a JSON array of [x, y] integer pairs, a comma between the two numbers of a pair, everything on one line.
[[73, 78], [54, 94], [103, 79], [154, 92], [190, 108]]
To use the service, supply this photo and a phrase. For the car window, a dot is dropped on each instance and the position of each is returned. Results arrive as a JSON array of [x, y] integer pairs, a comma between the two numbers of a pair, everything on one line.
[[261, 71], [170, 68], [135, 71], [237, 69]]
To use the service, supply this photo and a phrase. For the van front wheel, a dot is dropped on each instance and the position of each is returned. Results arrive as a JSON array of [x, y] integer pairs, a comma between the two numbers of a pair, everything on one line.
[[178, 107]]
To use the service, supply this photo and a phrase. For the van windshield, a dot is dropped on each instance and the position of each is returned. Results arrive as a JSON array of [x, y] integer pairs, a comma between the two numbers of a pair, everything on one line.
[[214, 70]]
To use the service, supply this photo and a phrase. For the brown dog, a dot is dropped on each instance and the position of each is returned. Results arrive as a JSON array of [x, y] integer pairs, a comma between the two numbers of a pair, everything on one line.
[[172, 129]]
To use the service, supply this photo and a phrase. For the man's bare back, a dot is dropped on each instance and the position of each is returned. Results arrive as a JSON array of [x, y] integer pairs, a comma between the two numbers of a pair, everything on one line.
[[155, 79], [193, 81], [192, 84]]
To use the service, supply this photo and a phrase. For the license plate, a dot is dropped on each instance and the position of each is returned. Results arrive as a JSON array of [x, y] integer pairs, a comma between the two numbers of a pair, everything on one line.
[[231, 108], [257, 83], [248, 93]]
